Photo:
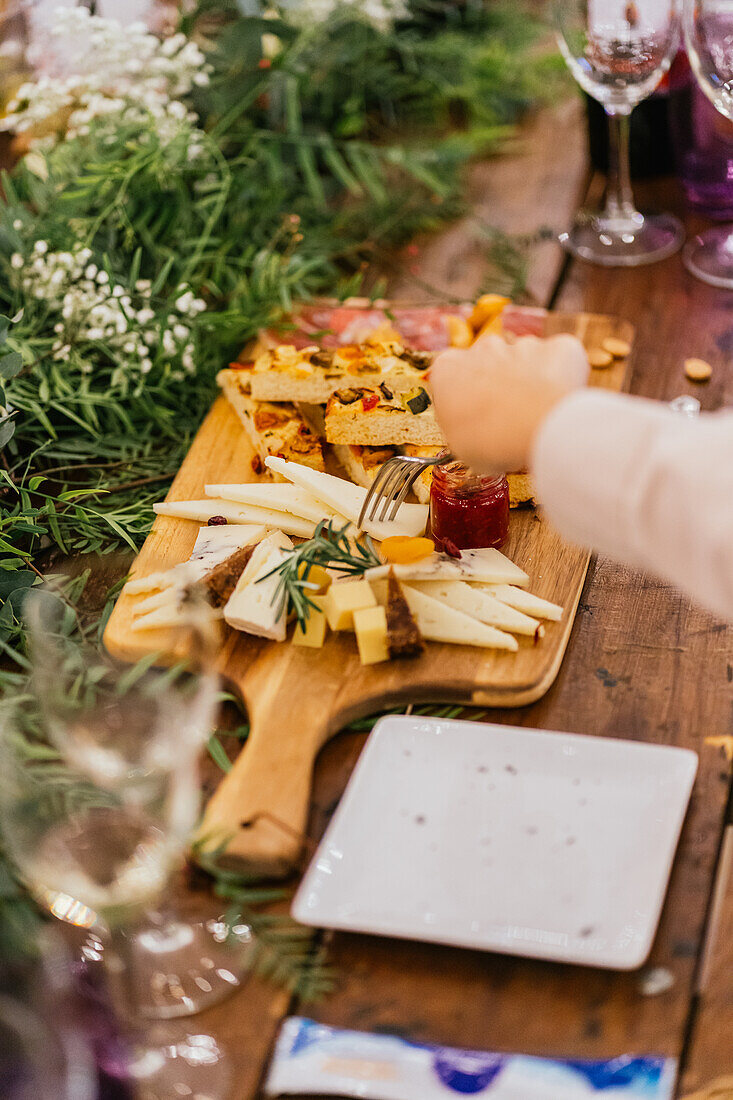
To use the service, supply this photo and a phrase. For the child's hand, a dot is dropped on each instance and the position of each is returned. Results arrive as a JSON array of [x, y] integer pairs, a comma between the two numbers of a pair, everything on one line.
[[492, 398]]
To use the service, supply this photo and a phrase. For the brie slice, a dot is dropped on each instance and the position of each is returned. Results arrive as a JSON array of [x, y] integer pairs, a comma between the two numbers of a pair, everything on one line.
[[255, 606]]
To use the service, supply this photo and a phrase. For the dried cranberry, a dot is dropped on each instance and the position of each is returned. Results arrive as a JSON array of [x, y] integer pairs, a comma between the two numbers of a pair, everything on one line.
[[217, 521], [451, 549]]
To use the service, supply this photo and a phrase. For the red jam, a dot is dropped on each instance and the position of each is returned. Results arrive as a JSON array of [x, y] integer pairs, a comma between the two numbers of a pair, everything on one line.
[[466, 509]]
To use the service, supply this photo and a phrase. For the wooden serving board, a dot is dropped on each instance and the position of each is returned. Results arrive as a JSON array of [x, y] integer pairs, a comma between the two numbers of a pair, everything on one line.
[[297, 698]]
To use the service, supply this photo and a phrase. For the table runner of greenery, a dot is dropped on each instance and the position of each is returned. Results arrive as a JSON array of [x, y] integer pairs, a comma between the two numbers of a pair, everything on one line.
[[177, 194]]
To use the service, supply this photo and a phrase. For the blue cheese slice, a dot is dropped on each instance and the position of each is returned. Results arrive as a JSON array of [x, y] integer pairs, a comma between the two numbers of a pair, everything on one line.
[[202, 510], [213, 546], [440, 623], [280, 497], [481, 605], [487, 565], [253, 605], [347, 499]]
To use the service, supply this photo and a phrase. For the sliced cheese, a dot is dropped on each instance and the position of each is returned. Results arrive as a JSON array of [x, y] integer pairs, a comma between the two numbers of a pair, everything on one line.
[[486, 565], [347, 499], [213, 545], [202, 510], [151, 583], [254, 605], [279, 496], [171, 595], [370, 625], [524, 601], [481, 605], [440, 623]]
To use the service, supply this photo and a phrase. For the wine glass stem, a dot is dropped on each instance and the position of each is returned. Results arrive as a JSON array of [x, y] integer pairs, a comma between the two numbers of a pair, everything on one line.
[[619, 196], [121, 976]]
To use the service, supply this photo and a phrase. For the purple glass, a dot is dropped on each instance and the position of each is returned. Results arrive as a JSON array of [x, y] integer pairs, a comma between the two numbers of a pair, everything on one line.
[[702, 139]]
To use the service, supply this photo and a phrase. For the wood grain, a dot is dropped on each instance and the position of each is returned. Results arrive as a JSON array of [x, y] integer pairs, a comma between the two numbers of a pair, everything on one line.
[[643, 663], [297, 698]]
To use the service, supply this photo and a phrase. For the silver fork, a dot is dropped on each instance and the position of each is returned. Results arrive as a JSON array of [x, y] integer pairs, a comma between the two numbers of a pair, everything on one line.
[[393, 482]]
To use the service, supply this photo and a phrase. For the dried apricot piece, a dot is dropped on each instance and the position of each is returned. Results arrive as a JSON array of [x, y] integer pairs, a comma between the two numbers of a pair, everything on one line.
[[486, 309], [460, 332], [404, 550]]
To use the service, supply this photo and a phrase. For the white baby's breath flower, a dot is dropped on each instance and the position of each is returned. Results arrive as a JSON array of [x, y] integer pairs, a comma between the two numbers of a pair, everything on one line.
[[16, 260], [17, 224]]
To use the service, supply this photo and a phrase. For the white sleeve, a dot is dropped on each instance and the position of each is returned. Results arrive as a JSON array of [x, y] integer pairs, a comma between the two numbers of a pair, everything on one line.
[[635, 480]]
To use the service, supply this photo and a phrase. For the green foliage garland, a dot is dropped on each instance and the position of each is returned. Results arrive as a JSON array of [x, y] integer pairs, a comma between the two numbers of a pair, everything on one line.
[[288, 176]]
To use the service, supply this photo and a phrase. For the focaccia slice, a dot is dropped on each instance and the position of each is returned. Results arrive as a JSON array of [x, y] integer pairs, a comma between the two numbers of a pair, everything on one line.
[[274, 430], [312, 374], [365, 417], [362, 464]]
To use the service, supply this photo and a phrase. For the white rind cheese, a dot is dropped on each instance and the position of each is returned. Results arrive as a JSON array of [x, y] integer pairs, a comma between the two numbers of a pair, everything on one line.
[[252, 606], [524, 601], [347, 499], [440, 623], [481, 605], [202, 510], [486, 565], [279, 497], [213, 545]]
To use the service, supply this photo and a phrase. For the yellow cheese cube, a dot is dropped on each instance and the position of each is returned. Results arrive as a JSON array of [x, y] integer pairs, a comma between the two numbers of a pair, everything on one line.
[[317, 576], [343, 599], [314, 634], [370, 625]]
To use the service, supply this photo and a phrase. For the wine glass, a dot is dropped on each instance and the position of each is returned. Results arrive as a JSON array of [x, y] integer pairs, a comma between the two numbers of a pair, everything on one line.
[[123, 728], [709, 40], [112, 850], [618, 50]]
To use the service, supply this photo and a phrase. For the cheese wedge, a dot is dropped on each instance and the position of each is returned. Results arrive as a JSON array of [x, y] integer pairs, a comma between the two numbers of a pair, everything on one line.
[[169, 596], [347, 499], [254, 606], [202, 510], [277, 496], [167, 614], [486, 565], [213, 545], [481, 605], [440, 623], [524, 601]]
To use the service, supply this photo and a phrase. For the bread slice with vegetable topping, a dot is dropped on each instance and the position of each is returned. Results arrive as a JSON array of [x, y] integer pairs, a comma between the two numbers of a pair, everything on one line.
[[312, 374], [368, 418], [274, 430]]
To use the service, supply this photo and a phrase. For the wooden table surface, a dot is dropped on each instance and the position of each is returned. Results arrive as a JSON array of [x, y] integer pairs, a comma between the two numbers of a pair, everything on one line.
[[642, 663]]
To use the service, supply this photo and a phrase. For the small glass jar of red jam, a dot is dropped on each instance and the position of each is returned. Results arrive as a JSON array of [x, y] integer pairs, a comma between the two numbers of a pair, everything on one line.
[[467, 509]]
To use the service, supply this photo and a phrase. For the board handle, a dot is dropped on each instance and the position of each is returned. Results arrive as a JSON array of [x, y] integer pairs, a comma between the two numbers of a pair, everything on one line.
[[260, 808]]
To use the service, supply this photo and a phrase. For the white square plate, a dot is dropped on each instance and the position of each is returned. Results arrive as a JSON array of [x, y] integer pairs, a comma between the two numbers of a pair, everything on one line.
[[549, 845]]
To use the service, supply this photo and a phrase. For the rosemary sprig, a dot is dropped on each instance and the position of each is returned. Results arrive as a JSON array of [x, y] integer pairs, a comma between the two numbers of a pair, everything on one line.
[[332, 548]]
